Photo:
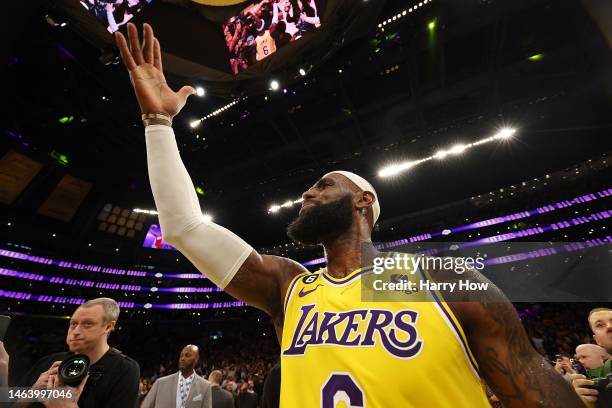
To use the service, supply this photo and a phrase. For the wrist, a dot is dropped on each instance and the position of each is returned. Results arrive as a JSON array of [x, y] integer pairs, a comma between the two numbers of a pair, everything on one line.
[[156, 118], [163, 122]]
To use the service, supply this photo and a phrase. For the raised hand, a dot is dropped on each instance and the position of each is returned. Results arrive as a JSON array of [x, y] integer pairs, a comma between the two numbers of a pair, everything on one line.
[[146, 73]]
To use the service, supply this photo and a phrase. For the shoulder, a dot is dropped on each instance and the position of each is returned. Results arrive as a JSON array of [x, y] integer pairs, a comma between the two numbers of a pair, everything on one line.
[[125, 363], [202, 380], [168, 379]]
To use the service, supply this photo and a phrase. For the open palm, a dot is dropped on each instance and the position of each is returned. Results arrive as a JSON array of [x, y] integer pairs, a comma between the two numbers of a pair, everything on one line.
[[146, 73]]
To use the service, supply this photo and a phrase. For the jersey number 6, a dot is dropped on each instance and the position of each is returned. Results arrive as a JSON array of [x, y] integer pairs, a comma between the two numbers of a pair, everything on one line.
[[341, 387]]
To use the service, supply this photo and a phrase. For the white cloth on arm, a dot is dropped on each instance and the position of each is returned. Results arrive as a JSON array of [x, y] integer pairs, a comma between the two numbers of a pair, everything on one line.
[[214, 250]]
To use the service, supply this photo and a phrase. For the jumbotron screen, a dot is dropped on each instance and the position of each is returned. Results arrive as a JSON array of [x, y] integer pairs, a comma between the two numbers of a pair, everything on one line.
[[266, 26], [154, 239], [114, 13]]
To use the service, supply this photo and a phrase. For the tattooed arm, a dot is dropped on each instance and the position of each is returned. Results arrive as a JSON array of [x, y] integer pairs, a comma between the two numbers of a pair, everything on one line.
[[518, 375]]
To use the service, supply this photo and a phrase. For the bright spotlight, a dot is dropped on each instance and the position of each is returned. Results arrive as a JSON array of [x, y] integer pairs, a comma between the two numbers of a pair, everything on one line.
[[505, 133], [274, 85], [441, 154], [303, 72], [394, 169], [274, 208], [458, 149], [195, 123], [200, 91], [287, 204], [207, 217]]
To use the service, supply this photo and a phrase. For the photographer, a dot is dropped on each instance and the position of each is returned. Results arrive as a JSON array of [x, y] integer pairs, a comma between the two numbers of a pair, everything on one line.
[[113, 377], [4, 365], [600, 321]]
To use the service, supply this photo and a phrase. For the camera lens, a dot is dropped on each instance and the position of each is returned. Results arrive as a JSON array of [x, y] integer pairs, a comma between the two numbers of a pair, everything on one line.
[[73, 369]]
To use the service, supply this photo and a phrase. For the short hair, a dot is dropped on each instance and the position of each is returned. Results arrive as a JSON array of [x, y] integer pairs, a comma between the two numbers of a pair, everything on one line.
[[215, 376], [599, 309], [110, 307], [596, 310]]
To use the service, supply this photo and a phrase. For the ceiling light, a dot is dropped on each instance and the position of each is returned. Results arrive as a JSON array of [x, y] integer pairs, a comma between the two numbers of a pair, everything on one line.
[[458, 149], [200, 91], [274, 85], [505, 133]]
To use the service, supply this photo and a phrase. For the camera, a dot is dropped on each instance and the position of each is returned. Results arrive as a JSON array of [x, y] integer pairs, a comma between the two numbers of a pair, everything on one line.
[[604, 386], [73, 369]]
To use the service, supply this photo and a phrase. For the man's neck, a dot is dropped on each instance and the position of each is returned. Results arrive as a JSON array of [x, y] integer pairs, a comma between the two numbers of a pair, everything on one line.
[[96, 354], [349, 252], [187, 372]]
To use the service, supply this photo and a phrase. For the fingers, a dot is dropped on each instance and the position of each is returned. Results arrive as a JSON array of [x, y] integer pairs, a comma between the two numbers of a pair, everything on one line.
[[135, 44], [52, 381], [126, 56], [54, 367], [185, 92], [157, 61], [149, 44]]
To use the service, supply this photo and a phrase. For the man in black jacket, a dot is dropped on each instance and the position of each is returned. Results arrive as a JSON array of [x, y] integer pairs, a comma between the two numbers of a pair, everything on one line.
[[113, 377]]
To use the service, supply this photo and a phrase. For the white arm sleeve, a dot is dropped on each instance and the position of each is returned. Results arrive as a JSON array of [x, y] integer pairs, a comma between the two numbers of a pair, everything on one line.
[[214, 250], [275, 13]]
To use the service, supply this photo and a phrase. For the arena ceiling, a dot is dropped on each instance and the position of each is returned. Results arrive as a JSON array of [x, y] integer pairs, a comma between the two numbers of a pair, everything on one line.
[[400, 91]]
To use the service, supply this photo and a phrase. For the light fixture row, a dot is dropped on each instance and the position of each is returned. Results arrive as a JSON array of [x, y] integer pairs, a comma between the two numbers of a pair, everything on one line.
[[403, 13]]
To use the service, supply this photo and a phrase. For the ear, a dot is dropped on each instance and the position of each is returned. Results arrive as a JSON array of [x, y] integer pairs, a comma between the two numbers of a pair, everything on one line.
[[111, 325], [365, 199]]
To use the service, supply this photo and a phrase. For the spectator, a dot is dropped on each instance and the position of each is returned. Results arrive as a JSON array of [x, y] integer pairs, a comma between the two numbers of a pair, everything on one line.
[[184, 389], [271, 388], [4, 365], [220, 398], [230, 386], [600, 321], [591, 356], [563, 365], [248, 397], [117, 376]]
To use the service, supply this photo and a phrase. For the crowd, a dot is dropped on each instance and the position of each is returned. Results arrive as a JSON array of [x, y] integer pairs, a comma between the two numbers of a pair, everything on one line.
[[238, 363]]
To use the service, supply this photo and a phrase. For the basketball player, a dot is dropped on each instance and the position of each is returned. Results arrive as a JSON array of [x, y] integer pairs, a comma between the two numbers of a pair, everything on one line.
[[335, 349], [265, 45]]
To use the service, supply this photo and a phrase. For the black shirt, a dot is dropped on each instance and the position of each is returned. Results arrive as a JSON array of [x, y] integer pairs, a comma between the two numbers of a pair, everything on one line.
[[271, 388], [247, 399], [221, 398], [114, 386]]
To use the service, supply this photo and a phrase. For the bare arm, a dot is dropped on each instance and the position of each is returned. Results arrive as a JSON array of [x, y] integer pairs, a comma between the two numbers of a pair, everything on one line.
[[518, 375], [262, 281]]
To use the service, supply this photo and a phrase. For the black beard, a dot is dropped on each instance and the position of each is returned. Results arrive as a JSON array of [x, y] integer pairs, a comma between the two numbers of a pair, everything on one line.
[[322, 222]]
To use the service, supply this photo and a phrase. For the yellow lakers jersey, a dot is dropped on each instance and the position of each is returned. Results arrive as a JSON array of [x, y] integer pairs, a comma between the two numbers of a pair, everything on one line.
[[339, 351], [265, 45]]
